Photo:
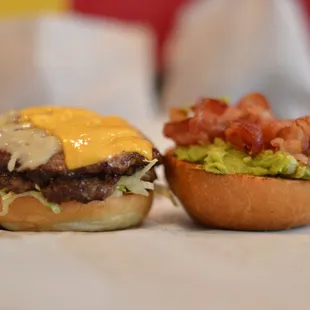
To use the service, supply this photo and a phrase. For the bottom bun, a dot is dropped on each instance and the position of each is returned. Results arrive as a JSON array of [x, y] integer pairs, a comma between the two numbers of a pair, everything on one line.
[[238, 202], [28, 214]]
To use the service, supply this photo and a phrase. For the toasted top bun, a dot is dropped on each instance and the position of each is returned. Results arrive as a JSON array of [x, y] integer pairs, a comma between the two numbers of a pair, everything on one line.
[[28, 214], [238, 202]]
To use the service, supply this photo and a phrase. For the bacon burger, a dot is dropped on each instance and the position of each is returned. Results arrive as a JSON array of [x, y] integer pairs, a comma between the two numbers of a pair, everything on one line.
[[239, 167], [72, 169]]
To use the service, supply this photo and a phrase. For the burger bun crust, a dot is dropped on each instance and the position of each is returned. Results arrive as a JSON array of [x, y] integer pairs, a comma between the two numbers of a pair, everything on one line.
[[28, 214], [238, 202]]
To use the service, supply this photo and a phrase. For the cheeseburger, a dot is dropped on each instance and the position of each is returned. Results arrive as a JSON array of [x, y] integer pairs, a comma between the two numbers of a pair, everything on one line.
[[72, 169], [239, 167]]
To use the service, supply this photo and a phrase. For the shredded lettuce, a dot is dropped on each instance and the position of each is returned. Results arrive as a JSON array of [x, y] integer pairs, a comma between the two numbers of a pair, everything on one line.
[[8, 197], [164, 191], [133, 184], [126, 184]]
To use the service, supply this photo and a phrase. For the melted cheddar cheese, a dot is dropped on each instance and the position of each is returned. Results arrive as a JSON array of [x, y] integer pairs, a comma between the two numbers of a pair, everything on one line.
[[85, 136]]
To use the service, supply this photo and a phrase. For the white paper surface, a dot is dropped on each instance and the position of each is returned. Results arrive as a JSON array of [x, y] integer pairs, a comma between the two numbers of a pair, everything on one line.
[[77, 61]]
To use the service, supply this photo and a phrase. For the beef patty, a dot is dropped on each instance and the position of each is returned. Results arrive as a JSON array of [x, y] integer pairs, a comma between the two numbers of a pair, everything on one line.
[[59, 184]]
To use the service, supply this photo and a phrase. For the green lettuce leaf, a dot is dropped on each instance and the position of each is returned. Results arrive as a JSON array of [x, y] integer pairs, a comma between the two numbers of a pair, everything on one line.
[[8, 197], [164, 191], [133, 184]]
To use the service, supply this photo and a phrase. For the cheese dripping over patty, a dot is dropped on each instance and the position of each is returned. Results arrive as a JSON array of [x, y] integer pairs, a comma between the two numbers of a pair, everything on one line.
[[87, 137], [29, 146]]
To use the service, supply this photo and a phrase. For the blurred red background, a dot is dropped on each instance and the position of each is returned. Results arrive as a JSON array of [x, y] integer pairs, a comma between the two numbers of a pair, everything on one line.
[[158, 14]]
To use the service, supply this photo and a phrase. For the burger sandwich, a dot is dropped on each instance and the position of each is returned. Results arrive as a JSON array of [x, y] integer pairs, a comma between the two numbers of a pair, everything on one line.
[[71, 169], [239, 167]]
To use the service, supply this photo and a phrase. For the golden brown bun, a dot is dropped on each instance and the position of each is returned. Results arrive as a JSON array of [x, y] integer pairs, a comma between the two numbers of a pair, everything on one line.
[[238, 202], [28, 214]]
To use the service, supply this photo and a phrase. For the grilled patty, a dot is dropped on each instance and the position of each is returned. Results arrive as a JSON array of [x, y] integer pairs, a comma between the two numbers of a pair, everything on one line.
[[58, 184], [122, 164]]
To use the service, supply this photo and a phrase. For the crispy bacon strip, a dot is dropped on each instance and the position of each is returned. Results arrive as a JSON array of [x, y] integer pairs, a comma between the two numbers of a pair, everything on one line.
[[256, 109], [254, 100], [202, 128], [249, 126], [182, 134], [213, 106], [291, 136], [245, 136], [212, 117], [271, 130], [304, 123], [207, 118]]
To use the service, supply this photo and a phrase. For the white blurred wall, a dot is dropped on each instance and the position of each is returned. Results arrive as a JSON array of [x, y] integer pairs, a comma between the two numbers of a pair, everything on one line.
[[73, 60], [229, 48]]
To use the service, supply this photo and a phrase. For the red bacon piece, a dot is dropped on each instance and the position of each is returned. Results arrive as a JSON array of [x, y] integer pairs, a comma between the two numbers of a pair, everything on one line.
[[207, 118], [291, 136], [245, 136], [249, 126], [304, 123], [256, 109], [253, 100], [213, 106], [182, 134], [202, 128], [272, 130]]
